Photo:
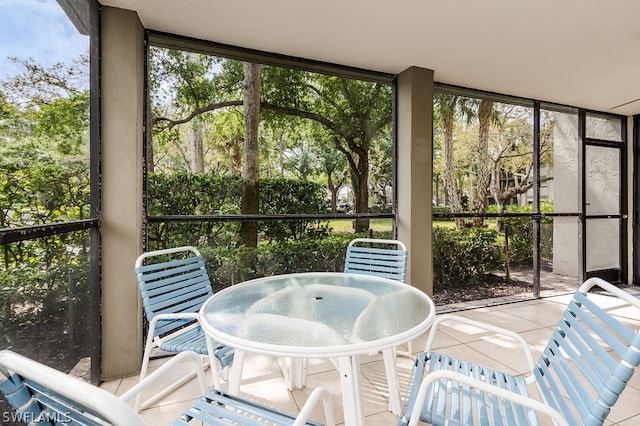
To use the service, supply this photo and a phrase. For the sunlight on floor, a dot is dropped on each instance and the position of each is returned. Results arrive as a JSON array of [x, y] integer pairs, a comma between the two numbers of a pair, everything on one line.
[[263, 380]]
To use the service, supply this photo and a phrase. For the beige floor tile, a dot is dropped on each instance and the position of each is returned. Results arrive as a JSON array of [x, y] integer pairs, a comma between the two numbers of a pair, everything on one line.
[[164, 414], [543, 312], [263, 380], [384, 418], [628, 405], [631, 421], [501, 318], [505, 352], [111, 385]]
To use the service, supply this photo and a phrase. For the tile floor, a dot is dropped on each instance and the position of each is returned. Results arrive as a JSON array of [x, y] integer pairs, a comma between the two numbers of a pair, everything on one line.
[[264, 382]]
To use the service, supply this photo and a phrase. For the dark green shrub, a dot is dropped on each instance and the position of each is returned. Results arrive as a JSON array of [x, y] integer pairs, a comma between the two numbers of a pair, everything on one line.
[[230, 265], [441, 210], [35, 274], [519, 232], [461, 257], [288, 196], [188, 194]]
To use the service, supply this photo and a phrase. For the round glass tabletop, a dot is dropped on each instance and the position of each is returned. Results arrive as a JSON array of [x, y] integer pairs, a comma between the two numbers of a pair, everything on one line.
[[317, 313]]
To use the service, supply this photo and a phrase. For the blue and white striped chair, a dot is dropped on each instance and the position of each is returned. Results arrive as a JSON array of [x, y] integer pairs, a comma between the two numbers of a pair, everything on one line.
[[174, 284], [585, 366], [42, 395], [378, 257], [381, 258]]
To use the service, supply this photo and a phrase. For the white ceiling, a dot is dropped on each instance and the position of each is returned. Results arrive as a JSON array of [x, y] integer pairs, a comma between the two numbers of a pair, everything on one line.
[[583, 53]]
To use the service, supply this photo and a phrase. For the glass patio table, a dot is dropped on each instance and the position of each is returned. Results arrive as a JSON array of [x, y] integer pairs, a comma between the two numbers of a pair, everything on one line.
[[320, 315]]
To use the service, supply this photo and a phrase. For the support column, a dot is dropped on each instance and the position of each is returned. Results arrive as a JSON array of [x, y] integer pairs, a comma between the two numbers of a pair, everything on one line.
[[414, 172], [122, 87]]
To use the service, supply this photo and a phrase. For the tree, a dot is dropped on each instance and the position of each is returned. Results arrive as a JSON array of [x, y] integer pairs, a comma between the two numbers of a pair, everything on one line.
[[180, 84], [487, 116], [196, 146], [250, 159], [51, 103], [355, 112], [44, 178], [335, 169], [512, 158], [449, 108], [381, 172]]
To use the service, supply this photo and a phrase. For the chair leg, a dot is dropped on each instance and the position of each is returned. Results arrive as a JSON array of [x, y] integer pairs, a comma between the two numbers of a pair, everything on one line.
[[409, 352], [294, 371], [213, 364], [139, 404], [145, 365]]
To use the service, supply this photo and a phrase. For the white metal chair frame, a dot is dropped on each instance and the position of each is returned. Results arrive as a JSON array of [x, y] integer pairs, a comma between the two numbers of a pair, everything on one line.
[[41, 394], [373, 256], [574, 360], [381, 261], [172, 293]]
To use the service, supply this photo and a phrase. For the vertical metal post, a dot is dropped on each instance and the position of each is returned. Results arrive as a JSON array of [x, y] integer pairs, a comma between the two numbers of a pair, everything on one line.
[[95, 277], [70, 311], [536, 217]]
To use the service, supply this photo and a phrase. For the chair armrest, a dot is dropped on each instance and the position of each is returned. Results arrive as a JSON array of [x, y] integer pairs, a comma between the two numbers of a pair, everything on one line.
[[168, 317], [159, 374], [183, 315], [482, 325], [318, 394], [533, 404]]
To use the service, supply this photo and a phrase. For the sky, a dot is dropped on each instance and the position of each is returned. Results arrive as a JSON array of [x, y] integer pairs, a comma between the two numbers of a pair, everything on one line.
[[37, 29]]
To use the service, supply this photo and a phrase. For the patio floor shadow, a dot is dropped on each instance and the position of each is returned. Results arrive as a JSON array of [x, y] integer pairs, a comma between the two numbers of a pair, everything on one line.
[[534, 319]]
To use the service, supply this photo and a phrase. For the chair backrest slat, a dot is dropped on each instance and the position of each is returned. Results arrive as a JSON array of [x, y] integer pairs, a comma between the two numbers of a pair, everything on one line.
[[170, 274], [176, 293], [175, 284], [169, 264], [589, 359], [45, 396], [377, 257]]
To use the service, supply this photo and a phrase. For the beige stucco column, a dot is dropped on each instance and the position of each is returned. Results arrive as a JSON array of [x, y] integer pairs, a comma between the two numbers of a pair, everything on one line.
[[122, 120], [414, 171]]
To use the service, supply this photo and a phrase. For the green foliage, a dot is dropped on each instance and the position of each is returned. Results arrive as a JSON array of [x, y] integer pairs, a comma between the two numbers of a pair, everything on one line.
[[461, 257], [187, 194], [519, 233], [441, 210], [286, 196], [299, 112], [229, 265], [34, 276], [65, 120], [44, 179], [42, 194]]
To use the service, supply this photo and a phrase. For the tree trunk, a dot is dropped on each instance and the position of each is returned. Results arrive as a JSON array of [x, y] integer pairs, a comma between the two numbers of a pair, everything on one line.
[[333, 190], [496, 192], [281, 154], [151, 163], [196, 147], [360, 180], [450, 186], [250, 163], [484, 120]]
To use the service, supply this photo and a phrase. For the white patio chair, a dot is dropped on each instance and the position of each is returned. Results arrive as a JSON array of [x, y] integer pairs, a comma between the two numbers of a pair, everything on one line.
[[585, 366], [174, 284], [40, 394], [381, 258]]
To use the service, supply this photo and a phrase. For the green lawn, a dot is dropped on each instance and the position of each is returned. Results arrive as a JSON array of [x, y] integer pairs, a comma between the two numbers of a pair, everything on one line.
[[344, 226], [341, 226]]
